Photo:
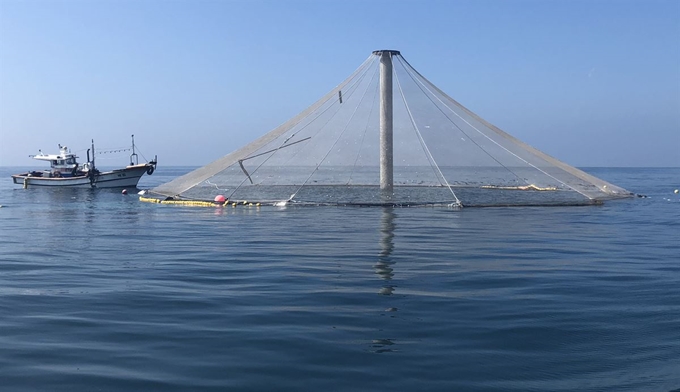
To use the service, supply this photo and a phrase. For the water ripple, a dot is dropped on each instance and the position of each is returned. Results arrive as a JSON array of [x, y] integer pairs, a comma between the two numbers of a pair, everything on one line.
[[135, 296]]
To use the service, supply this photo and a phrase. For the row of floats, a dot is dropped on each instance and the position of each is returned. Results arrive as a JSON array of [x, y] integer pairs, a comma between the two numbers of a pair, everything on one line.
[[219, 202]]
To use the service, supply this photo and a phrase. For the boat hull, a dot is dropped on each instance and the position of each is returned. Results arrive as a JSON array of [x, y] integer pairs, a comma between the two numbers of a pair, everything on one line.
[[120, 178]]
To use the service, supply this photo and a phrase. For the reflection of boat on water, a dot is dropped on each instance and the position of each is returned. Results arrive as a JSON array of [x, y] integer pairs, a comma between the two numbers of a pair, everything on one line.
[[65, 171]]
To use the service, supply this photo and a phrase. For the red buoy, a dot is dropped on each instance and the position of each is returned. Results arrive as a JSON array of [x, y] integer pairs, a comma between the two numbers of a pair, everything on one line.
[[220, 199], [125, 191]]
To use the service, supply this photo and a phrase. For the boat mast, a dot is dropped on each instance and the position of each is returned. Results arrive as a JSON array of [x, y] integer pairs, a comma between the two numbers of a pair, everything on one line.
[[91, 169], [92, 162], [134, 154]]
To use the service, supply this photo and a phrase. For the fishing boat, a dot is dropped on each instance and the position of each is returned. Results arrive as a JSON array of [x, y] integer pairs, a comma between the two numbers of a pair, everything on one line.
[[65, 171]]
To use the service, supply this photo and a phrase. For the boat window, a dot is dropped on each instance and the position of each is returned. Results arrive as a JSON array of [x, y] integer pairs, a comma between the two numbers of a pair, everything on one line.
[[61, 161], [70, 161], [54, 162]]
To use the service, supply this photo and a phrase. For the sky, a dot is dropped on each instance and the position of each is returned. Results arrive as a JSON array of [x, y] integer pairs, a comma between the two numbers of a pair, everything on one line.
[[592, 83]]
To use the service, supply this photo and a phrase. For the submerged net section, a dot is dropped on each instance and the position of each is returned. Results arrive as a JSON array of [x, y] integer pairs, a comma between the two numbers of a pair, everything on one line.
[[443, 154]]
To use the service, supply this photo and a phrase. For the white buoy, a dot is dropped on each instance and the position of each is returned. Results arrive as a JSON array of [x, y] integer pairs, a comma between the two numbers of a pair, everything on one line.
[[676, 191]]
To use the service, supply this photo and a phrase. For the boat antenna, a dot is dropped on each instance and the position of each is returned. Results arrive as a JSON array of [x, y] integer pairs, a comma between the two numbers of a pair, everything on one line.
[[134, 154], [93, 154], [91, 172]]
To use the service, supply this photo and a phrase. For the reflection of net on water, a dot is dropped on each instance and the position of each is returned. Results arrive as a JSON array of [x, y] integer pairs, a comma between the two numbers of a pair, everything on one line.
[[387, 136]]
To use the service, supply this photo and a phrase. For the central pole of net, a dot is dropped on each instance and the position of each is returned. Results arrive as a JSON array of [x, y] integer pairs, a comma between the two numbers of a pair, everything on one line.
[[386, 122]]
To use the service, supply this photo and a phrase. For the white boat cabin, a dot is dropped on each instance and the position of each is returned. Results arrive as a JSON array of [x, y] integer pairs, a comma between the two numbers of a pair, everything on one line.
[[64, 164]]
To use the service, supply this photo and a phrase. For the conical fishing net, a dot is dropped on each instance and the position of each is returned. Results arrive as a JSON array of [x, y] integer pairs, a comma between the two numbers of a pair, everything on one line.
[[381, 140]]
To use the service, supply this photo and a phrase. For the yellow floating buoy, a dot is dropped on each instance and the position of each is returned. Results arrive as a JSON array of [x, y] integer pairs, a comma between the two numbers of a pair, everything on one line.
[[149, 200], [197, 203]]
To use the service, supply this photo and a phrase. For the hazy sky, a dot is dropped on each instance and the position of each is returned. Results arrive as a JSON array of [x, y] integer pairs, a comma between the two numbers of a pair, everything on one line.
[[592, 83]]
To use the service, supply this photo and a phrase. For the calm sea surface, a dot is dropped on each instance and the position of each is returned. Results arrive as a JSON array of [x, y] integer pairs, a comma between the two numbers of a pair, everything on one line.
[[101, 292]]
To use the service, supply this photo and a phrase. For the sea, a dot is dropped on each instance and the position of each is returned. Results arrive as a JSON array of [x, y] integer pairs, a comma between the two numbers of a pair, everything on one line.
[[100, 291]]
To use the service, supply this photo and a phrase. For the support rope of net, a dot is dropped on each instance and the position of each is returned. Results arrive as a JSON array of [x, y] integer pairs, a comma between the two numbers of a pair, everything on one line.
[[363, 135], [408, 72], [352, 88], [493, 141], [336, 139], [187, 181], [433, 163], [438, 175]]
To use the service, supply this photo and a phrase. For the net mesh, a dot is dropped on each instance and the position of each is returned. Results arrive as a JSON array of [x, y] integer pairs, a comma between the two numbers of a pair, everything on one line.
[[443, 154]]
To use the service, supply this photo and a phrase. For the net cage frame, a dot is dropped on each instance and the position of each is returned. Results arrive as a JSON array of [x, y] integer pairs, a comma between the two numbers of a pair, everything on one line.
[[387, 136]]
